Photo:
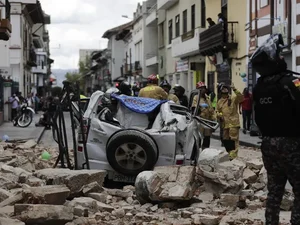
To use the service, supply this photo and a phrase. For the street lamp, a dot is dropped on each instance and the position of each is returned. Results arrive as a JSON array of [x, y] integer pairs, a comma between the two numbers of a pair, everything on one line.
[[125, 16]]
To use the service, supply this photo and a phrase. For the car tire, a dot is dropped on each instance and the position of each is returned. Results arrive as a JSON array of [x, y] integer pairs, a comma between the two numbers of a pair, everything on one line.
[[130, 152]]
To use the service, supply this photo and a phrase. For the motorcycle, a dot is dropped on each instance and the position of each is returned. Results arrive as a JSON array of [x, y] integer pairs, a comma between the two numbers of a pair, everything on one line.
[[25, 116]]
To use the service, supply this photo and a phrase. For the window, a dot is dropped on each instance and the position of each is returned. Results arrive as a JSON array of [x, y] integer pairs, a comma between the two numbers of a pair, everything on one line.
[[264, 3], [203, 13], [177, 25], [170, 31], [161, 40], [193, 17], [184, 21]]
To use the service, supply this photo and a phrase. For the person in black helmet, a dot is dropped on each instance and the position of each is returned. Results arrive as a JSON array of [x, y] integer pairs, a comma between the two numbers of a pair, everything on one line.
[[125, 88], [276, 99], [179, 92], [167, 87]]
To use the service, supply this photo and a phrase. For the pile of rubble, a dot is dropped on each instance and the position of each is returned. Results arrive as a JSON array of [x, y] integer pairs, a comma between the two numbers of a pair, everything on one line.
[[218, 191]]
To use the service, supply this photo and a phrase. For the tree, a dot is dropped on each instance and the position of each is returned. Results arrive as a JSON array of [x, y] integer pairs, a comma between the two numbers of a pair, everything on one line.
[[79, 75], [56, 91]]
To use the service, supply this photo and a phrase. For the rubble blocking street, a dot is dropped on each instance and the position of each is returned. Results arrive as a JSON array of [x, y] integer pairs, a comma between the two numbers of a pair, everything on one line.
[[217, 191]]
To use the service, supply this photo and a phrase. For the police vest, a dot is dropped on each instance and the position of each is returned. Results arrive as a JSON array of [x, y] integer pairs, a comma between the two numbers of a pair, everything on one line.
[[276, 110]]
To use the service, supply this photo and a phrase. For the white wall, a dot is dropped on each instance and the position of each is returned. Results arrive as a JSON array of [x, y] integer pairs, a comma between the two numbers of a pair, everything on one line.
[[117, 56]]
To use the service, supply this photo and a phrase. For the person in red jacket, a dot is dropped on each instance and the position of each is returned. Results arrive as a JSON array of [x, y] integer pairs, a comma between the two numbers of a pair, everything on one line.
[[246, 110]]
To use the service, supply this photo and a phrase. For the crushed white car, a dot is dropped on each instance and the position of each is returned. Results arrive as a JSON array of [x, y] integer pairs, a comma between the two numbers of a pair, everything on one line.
[[124, 147]]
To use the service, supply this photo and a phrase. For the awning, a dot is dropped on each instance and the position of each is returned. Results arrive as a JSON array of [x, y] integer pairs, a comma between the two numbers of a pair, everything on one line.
[[35, 12], [96, 55], [50, 61], [94, 67]]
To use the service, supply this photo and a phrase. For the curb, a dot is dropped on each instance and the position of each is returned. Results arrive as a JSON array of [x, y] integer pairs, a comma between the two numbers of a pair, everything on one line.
[[40, 135], [242, 143]]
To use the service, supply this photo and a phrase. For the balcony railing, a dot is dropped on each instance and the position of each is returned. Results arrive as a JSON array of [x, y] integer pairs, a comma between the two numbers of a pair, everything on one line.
[[153, 8], [5, 29], [215, 39], [151, 55]]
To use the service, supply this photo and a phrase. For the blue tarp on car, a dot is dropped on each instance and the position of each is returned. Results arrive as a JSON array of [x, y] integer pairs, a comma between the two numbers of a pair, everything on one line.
[[138, 104]]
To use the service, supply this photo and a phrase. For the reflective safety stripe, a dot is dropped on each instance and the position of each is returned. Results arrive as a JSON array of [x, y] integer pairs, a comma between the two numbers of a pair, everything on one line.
[[149, 88]]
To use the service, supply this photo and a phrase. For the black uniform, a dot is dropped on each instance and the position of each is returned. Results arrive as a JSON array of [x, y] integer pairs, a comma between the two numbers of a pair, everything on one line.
[[277, 109]]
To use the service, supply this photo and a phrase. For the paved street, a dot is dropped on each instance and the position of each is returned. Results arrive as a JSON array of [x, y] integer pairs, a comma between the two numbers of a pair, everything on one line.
[[47, 139], [17, 133]]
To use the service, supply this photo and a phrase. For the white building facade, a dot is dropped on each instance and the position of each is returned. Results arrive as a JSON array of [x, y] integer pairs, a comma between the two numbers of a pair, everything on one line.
[[24, 15], [115, 47]]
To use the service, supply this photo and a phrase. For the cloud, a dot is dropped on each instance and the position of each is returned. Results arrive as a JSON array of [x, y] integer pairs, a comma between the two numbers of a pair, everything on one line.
[[80, 24]]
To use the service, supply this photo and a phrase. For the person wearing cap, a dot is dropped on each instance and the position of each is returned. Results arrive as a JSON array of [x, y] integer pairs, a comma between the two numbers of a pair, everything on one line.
[[228, 113], [167, 87], [206, 111], [152, 90]]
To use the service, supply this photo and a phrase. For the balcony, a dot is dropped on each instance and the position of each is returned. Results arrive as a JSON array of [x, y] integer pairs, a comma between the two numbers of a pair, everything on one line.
[[39, 69], [151, 59], [46, 36], [214, 39], [127, 69], [151, 19], [137, 66], [37, 41], [186, 44], [5, 29], [31, 62], [165, 4]]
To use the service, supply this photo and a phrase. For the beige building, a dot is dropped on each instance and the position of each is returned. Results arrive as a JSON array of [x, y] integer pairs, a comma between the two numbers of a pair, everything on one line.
[[180, 23], [86, 53], [226, 57]]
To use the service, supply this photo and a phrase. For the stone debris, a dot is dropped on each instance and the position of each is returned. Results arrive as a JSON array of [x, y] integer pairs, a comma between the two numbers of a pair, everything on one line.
[[216, 191], [166, 184]]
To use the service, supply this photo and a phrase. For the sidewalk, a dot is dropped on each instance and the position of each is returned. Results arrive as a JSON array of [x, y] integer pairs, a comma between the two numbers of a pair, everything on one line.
[[245, 139], [17, 133]]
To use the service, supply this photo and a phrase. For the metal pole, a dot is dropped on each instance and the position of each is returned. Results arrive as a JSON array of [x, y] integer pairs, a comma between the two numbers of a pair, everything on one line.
[[73, 128], [81, 127]]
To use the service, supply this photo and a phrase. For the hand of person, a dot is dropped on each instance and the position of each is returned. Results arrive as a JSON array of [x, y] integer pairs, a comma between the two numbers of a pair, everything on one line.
[[232, 86]]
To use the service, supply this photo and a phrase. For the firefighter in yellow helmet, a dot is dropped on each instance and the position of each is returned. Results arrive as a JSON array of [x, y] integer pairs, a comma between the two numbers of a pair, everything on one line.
[[152, 90], [206, 111], [167, 87], [227, 111]]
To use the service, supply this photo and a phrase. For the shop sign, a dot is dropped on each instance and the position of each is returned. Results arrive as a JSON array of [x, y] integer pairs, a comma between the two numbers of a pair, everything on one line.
[[7, 84], [182, 65]]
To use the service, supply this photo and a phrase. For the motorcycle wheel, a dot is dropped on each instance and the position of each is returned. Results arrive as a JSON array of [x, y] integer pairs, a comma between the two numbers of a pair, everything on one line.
[[24, 120]]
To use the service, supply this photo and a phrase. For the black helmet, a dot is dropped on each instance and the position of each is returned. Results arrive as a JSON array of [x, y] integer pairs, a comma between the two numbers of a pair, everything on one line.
[[266, 60], [125, 88], [179, 88], [165, 83], [222, 86]]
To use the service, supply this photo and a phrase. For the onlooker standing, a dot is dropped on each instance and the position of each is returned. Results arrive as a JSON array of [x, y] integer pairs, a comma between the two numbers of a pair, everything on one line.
[[37, 101], [14, 100], [246, 107], [210, 22], [222, 19]]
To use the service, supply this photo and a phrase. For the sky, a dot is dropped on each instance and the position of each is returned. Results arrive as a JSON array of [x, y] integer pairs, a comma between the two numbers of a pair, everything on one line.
[[80, 24]]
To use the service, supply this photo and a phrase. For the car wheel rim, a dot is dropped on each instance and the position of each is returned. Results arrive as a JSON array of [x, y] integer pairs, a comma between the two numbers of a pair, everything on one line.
[[131, 156]]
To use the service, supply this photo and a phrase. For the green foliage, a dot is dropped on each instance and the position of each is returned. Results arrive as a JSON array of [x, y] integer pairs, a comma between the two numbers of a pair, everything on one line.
[[83, 69], [56, 91]]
